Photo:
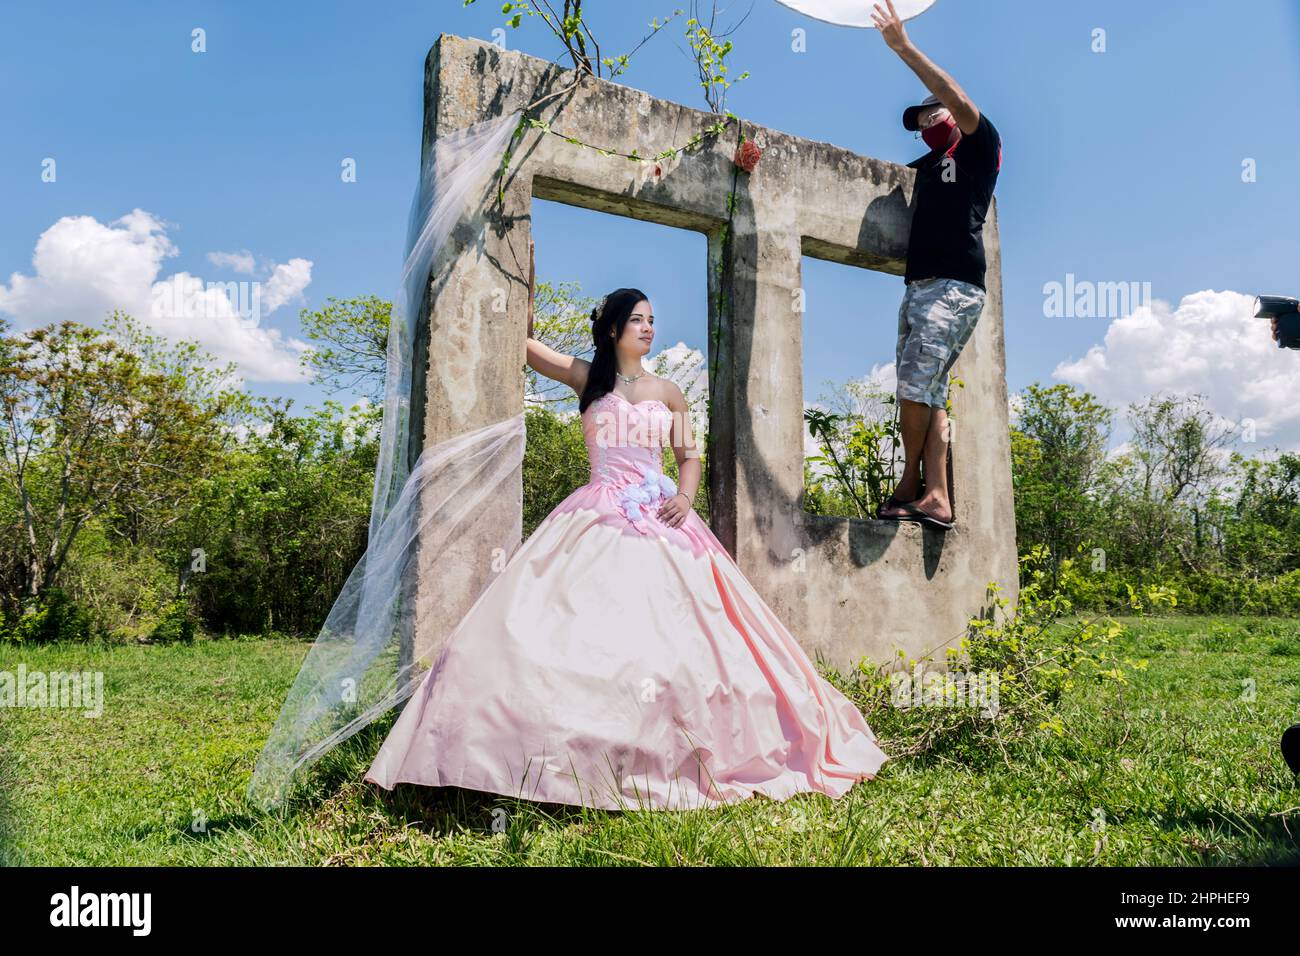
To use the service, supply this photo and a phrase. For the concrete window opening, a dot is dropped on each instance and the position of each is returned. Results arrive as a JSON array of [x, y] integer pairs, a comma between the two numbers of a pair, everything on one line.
[[849, 326], [846, 588], [603, 252]]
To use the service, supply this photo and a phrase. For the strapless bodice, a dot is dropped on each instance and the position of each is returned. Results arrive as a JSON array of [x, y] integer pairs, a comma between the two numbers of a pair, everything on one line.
[[625, 442]]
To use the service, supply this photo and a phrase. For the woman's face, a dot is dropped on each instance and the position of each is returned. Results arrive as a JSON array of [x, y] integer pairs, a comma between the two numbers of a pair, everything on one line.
[[639, 332]]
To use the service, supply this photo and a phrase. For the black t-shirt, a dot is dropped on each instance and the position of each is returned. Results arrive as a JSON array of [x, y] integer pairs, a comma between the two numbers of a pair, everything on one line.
[[952, 199]]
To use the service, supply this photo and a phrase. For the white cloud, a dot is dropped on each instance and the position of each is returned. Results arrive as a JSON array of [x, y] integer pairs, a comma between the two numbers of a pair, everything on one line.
[[1210, 344], [684, 366], [882, 378], [1015, 407], [84, 269], [236, 261], [286, 283], [242, 431], [1120, 450]]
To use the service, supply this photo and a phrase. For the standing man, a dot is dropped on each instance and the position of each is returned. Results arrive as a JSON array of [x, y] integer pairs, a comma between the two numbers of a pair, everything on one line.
[[945, 272]]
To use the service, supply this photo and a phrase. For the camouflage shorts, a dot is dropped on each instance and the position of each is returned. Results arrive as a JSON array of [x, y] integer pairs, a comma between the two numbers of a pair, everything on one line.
[[935, 320]]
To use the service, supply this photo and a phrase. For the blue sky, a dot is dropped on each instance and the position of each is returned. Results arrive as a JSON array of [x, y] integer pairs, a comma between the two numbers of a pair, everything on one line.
[[1118, 166]]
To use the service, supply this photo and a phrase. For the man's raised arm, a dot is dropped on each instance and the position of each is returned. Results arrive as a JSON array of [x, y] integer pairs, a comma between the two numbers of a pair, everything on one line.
[[943, 86]]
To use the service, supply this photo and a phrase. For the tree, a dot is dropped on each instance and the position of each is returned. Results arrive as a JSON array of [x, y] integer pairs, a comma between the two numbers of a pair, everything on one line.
[[1261, 517], [283, 521], [99, 423], [352, 350], [1179, 453], [1058, 449]]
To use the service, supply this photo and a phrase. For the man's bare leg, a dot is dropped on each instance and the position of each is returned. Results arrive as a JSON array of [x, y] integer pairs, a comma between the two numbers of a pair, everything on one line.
[[936, 501], [914, 423], [925, 439]]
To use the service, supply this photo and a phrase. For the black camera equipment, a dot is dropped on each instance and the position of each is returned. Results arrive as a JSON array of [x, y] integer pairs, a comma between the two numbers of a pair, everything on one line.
[[1287, 312]]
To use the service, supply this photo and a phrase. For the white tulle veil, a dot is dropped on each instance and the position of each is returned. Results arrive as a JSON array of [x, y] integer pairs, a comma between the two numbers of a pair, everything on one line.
[[355, 670]]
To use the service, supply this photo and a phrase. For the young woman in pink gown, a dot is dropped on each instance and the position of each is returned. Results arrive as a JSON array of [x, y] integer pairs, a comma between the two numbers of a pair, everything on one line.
[[621, 659]]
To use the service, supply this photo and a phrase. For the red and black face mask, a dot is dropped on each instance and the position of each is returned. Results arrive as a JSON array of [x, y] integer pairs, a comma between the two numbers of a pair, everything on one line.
[[940, 135]]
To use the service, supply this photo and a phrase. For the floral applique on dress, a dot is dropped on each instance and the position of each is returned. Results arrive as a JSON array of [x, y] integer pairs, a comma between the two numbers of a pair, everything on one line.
[[638, 500]]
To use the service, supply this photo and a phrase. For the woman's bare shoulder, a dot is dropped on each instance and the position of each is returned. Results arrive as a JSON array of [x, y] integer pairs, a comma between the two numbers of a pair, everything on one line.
[[668, 392]]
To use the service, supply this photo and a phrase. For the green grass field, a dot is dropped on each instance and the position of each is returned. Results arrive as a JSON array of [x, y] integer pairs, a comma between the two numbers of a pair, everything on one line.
[[1181, 766]]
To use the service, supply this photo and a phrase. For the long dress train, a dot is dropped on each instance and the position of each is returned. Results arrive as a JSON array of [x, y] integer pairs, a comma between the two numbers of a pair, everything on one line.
[[617, 662]]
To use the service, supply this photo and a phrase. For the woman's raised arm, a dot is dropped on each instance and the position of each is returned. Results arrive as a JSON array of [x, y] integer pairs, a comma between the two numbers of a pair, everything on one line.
[[569, 369]]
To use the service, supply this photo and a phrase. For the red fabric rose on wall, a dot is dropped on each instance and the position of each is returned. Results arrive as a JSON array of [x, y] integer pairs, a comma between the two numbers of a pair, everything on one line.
[[747, 155]]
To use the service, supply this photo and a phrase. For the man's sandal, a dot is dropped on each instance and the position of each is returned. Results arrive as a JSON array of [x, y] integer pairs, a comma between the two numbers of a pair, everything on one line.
[[924, 517], [890, 504]]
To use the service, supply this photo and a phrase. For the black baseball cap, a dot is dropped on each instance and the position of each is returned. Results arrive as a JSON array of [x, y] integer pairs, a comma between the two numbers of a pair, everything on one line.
[[910, 114]]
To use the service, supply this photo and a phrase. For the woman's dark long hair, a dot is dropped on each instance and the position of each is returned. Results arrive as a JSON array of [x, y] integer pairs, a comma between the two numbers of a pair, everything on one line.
[[612, 313]]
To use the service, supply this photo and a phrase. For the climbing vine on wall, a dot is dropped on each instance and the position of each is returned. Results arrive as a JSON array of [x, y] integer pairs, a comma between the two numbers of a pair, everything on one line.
[[746, 157], [710, 49], [690, 146]]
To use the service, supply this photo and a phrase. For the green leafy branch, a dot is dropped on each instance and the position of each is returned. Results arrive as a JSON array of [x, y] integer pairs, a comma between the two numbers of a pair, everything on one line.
[[571, 29], [710, 55]]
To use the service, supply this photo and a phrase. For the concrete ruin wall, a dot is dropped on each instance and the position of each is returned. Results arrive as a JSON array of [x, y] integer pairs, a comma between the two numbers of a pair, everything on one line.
[[846, 588]]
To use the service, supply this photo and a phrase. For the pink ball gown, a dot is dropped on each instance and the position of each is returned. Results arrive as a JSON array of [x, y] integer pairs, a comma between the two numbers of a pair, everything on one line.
[[620, 663]]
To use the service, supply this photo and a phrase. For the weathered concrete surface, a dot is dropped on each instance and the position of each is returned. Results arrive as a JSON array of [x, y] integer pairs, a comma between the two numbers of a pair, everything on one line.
[[846, 588]]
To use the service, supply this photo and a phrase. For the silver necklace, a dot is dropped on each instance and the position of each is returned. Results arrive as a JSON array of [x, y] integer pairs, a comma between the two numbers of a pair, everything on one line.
[[628, 378]]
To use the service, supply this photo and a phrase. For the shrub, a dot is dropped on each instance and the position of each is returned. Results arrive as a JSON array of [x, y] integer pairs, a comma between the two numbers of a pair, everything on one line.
[[51, 617], [1194, 592], [555, 463], [123, 587], [1028, 661], [175, 623]]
